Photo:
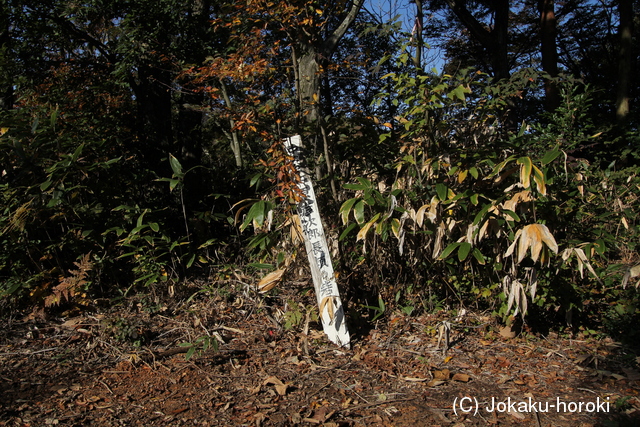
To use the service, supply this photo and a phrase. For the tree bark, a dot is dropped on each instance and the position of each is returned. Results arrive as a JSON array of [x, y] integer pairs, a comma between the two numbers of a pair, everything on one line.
[[417, 59], [625, 68], [496, 40], [235, 140], [549, 52], [309, 84], [309, 70]]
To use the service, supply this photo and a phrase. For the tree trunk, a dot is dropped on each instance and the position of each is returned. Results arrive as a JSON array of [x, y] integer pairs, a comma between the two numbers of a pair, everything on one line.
[[494, 41], [309, 84], [153, 98], [549, 52], [625, 68], [309, 70], [6, 77], [417, 59], [235, 140], [500, 36]]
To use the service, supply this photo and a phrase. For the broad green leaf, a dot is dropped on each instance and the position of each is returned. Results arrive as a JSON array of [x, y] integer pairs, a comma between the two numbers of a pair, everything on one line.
[[480, 215], [173, 183], [346, 208], [463, 250], [356, 187], [523, 128], [261, 266], [256, 213], [154, 226], [459, 92], [364, 181], [447, 251], [478, 256], [358, 212], [255, 178], [512, 214], [76, 153], [141, 217], [441, 189], [191, 260], [474, 199], [176, 167], [550, 156], [138, 229], [474, 172], [347, 231]]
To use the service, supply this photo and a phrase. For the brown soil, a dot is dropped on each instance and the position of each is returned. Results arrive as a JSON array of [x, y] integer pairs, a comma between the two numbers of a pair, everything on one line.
[[125, 367]]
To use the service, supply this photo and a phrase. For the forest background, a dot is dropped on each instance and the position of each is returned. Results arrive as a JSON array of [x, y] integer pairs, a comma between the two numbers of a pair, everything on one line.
[[141, 149]]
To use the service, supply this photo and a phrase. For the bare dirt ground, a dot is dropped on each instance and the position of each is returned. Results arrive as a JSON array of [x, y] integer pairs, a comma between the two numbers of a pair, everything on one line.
[[124, 366]]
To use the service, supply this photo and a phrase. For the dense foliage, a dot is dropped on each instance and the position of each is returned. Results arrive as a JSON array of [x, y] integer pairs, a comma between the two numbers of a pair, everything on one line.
[[141, 147]]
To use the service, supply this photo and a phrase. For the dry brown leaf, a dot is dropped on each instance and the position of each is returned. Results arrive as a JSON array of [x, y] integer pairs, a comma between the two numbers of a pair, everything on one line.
[[281, 388], [269, 281], [461, 377], [272, 380], [434, 383], [442, 375], [328, 302], [506, 332], [516, 415]]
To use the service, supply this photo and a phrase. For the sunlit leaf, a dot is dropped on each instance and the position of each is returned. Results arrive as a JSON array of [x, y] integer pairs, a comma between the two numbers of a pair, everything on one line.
[[362, 234], [525, 171], [346, 208], [269, 281]]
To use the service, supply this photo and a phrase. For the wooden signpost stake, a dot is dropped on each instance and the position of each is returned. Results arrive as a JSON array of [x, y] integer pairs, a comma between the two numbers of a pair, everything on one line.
[[330, 306]]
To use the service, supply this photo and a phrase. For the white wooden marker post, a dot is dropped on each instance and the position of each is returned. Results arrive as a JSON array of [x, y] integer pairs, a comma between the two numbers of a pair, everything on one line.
[[330, 306]]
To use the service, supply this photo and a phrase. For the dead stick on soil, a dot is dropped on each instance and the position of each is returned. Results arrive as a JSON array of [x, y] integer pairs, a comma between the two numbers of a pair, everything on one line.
[[28, 353], [538, 419], [352, 390], [385, 402], [105, 384]]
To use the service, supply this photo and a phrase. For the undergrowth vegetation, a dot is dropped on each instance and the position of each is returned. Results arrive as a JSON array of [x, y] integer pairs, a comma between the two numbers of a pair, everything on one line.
[[438, 191]]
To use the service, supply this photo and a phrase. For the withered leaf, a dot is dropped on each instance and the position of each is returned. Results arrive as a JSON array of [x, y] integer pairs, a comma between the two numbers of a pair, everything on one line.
[[461, 377], [269, 281]]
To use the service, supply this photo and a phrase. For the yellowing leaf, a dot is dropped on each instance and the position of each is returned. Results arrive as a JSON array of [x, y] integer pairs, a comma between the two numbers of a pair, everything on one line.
[[532, 236], [525, 171], [395, 227], [538, 178], [362, 234], [462, 176]]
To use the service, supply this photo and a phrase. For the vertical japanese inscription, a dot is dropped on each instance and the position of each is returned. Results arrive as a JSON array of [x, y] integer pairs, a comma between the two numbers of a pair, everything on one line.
[[331, 309]]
